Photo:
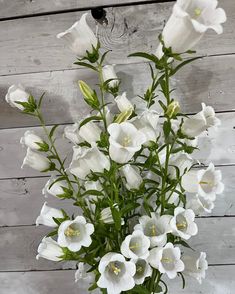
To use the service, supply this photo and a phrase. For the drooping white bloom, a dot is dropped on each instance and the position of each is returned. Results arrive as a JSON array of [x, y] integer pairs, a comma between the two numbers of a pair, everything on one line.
[[136, 245], [54, 187], [183, 224], [200, 122], [83, 276], [71, 133], [188, 23], [123, 103], [36, 161], [132, 176], [199, 204], [143, 270], [75, 234], [167, 260], [182, 161], [90, 132], [91, 199], [195, 265], [47, 214], [86, 160], [107, 217], [16, 93], [125, 140], [116, 273], [49, 249], [108, 74], [30, 139], [80, 37], [155, 228], [207, 183]]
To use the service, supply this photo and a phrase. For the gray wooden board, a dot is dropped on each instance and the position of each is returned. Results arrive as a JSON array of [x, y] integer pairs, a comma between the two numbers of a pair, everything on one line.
[[30, 44], [210, 80]]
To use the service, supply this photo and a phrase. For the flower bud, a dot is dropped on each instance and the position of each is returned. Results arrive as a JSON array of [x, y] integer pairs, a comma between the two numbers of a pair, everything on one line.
[[173, 109], [30, 140], [123, 103], [132, 176], [108, 74], [90, 132], [49, 249], [36, 161], [89, 95], [17, 93], [47, 214]]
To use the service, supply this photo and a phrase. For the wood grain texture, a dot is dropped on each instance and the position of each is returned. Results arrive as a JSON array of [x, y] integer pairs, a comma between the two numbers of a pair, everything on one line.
[[210, 80], [30, 44]]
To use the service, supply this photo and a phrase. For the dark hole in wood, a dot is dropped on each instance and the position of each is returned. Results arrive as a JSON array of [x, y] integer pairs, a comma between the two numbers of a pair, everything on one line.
[[99, 14]]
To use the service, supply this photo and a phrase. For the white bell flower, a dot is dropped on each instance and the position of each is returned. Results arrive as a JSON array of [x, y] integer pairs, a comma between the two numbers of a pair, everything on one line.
[[207, 183], [182, 161], [49, 249], [36, 161], [86, 160], [167, 260], [188, 23], [30, 139], [83, 276], [109, 73], [195, 265], [90, 132], [75, 234], [47, 214], [54, 187], [107, 217], [71, 133], [136, 245], [90, 199], [80, 37], [125, 140], [123, 103], [132, 176], [143, 270], [199, 204], [116, 273], [16, 93], [155, 228], [183, 224]]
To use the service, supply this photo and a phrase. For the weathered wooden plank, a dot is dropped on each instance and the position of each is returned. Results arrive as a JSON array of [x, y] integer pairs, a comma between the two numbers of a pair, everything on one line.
[[219, 280], [22, 243], [30, 44], [210, 80], [17, 195]]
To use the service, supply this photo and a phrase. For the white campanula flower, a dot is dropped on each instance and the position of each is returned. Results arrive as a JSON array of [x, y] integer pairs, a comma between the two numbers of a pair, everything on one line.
[[136, 245], [207, 183], [71, 133], [143, 270], [83, 276], [49, 249], [167, 260], [108, 74], [183, 224], [199, 204], [80, 37], [30, 139], [54, 187], [75, 234], [107, 217], [36, 161], [90, 132], [16, 93], [92, 199], [116, 273], [123, 103], [125, 140], [86, 160], [195, 265], [47, 214], [132, 176], [155, 228], [188, 23], [180, 162]]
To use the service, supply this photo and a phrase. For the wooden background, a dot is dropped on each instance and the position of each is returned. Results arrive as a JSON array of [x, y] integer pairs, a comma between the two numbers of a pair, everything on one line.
[[31, 54]]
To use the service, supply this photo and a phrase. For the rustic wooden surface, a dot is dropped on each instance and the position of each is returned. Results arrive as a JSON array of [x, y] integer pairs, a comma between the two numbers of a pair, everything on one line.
[[31, 54]]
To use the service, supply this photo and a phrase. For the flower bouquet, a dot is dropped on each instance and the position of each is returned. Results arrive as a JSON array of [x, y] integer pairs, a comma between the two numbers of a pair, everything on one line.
[[133, 176]]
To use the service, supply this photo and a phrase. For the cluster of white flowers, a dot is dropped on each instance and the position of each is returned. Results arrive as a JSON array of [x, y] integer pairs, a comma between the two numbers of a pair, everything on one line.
[[132, 173]]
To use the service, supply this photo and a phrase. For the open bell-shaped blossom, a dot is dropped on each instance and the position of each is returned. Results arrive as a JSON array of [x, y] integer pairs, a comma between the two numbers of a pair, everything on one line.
[[167, 260], [36, 161], [30, 139], [199, 204], [132, 176], [71, 133], [83, 277], [90, 132], [109, 73], [188, 23], [17, 93], [143, 270], [117, 274], [54, 187], [125, 140], [49, 249], [155, 228], [123, 103], [75, 234], [183, 224], [80, 37], [47, 216], [136, 245]]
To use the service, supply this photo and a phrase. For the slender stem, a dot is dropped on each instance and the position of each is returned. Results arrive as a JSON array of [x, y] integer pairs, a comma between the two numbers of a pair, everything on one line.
[[102, 110]]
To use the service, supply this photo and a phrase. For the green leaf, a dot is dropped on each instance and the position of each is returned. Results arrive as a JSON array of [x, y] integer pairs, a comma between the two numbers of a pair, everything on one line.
[[183, 279], [84, 64], [104, 55], [116, 217], [150, 57], [40, 100], [93, 192], [177, 68], [167, 128], [51, 234], [140, 290], [53, 130], [90, 118], [43, 146]]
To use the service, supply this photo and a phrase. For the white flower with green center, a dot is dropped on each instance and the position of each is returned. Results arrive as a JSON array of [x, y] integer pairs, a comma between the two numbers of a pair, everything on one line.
[[71, 133], [199, 204], [206, 183], [54, 187], [117, 274], [195, 265], [123, 103], [49, 249], [182, 223], [133, 179], [16, 93], [36, 161], [90, 132], [30, 139], [155, 228], [75, 234], [167, 260], [143, 270], [136, 246], [125, 140], [47, 214]]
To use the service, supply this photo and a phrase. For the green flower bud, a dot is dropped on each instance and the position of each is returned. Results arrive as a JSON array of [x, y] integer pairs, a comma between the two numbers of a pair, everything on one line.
[[173, 108]]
